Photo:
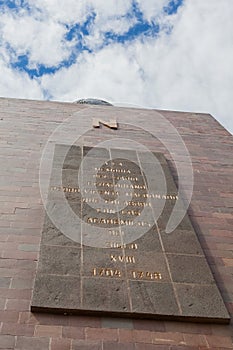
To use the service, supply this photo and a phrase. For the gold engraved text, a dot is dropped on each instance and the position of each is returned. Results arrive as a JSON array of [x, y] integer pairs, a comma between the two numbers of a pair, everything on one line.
[[116, 245], [90, 200], [130, 212], [117, 221], [105, 272], [121, 258], [66, 189], [104, 176], [128, 194], [106, 210], [146, 275], [137, 204], [115, 233], [112, 170]]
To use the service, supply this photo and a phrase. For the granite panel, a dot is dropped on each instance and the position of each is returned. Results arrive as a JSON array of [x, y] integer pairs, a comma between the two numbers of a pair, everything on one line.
[[132, 268], [54, 237], [185, 224], [202, 302], [60, 260], [181, 241], [149, 241], [153, 298], [107, 295], [56, 294], [189, 269]]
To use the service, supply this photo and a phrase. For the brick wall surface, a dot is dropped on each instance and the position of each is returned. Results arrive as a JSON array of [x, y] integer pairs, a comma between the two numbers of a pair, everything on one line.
[[24, 129]]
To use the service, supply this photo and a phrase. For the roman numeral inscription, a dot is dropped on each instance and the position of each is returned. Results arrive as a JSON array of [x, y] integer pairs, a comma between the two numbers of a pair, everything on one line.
[[127, 259]]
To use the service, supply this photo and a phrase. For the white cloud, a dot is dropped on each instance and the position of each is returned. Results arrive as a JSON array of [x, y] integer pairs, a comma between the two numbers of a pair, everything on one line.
[[195, 63], [18, 85], [42, 41], [69, 11], [151, 8], [72, 11], [108, 74], [110, 8], [40, 32], [190, 69]]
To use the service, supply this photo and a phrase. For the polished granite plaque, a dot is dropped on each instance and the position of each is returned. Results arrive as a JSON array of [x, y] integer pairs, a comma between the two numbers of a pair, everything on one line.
[[105, 249]]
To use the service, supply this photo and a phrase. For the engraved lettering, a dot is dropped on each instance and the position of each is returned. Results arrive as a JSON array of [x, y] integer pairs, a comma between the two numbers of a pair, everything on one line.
[[146, 275], [65, 189], [114, 233], [130, 259], [113, 258], [106, 272], [127, 259], [115, 245], [112, 170], [130, 212]]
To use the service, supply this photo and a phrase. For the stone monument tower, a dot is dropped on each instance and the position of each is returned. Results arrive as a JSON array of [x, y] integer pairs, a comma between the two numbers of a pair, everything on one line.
[[116, 228]]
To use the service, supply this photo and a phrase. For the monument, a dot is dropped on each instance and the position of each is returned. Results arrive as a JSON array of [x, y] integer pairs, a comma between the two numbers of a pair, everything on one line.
[[115, 228]]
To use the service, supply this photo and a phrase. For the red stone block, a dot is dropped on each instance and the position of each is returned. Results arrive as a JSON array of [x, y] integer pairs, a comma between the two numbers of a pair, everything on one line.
[[12, 254], [15, 293], [228, 262], [9, 316], [221, 330], [3, 238], [7, 272], [43, 319], [8, 246], [194, 340], [87, 345], [183, 327], [26, 317], [60, 344], [225, 246], [21, 283], [17, 329], [118, 346], [184, 347], [2, 303], [21, 264], [23, 239], [101, 334], [168, 338], [48, 331], [126, 336], [218, 341], [29, 343], [73, 332], [151, 347], [18, 304], [142, 336], [7, 342]]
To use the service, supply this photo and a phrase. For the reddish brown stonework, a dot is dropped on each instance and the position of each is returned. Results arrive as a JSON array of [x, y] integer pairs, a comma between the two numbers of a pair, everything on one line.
[[25, 127]]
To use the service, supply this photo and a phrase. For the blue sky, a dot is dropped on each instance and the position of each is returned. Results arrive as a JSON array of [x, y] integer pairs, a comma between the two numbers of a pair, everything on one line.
[[79, 31], [155, 53]]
